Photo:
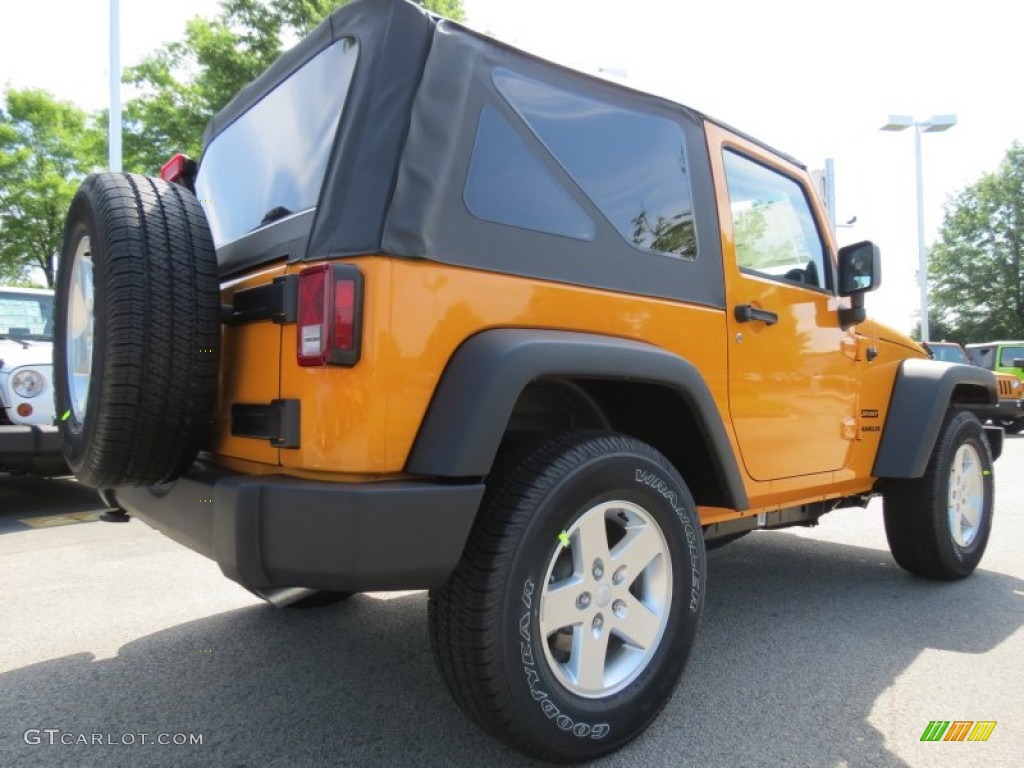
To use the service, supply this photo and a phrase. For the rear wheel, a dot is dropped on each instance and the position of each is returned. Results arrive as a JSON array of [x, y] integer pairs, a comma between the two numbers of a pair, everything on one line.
[[938, 525], [137, 336], [566, 625]]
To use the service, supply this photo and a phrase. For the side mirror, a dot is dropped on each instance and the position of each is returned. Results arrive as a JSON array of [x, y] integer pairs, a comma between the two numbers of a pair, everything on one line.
[[860, 268], [860, 271], [1018, 362]]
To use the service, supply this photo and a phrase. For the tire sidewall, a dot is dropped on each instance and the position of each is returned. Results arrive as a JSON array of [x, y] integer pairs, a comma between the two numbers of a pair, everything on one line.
[[571, 723], [963, 428], [75, 433]]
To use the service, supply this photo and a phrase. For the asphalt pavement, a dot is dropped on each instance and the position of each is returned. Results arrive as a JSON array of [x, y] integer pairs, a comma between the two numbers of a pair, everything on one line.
[[815, 650]]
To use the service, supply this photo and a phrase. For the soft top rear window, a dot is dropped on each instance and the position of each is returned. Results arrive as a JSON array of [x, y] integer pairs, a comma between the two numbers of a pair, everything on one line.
[[271, 161]]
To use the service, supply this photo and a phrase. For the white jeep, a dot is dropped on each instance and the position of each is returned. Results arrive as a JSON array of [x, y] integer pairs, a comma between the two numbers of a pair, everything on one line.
[[29, 440]]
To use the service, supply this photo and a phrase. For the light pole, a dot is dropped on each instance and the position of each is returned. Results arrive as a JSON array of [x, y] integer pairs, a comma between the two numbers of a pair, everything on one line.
[[933, 124], [114, 123]]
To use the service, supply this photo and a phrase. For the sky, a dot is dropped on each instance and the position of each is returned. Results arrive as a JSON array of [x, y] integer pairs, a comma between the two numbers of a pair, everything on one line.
[[815, 79]]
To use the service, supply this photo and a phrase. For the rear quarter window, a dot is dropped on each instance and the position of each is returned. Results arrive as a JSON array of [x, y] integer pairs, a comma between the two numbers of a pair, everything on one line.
[[507, 184], [632, 165]]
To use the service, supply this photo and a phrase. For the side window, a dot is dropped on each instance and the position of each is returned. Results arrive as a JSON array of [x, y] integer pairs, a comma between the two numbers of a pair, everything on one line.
[[983, 356], [1008, 354], [507, 184], [631, 164], [773, 226]]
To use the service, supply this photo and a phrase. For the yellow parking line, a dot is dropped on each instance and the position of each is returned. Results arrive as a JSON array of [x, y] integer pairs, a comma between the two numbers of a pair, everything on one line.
[[50, 521]]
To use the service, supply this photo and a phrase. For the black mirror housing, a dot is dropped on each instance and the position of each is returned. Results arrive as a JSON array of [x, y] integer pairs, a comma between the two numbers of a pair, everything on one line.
[[860, 268]]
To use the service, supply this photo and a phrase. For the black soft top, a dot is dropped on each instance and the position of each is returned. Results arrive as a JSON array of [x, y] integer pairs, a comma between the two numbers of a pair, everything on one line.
[[395, 178]]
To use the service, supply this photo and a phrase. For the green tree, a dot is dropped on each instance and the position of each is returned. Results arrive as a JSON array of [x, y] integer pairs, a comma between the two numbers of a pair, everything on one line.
[[46, 147], [975, 277], [182, 85]]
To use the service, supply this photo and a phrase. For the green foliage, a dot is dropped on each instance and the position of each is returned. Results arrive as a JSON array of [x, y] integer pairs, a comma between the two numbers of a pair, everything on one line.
[[667, 235], [182, 85], [46, 147], [975, 275], [451, 9]]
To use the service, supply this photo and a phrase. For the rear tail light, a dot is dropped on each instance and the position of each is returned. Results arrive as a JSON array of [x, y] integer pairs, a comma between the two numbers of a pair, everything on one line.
[[180, 169], [330, 316]]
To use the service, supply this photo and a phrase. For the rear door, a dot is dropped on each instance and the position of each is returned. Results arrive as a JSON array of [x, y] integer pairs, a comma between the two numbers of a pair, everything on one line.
[[793, 376]]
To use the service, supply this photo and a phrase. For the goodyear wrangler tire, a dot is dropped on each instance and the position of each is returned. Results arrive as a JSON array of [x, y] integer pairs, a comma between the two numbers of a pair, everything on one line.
[[567, 624], [137, 331], [938, 525]]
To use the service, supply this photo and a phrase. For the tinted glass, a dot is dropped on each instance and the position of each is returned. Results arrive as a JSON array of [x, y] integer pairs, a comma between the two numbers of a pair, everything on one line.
[[26, 315], [507, 184], [982, 356], [272, 159], [1007, 355], [773, 228], [953, 354], [632, 165]]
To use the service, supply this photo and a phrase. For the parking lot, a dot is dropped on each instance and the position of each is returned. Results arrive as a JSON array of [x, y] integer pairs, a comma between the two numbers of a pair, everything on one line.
[[815, 650]]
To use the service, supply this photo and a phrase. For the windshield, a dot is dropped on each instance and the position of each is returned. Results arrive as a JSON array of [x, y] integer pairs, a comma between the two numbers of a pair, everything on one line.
[[26, 316], [951, 353]]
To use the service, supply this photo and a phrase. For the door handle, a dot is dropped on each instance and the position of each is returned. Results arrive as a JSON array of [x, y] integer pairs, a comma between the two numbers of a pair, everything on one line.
[[747, 312]]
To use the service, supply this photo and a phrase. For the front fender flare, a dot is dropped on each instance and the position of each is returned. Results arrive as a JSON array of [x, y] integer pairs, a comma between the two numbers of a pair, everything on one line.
[[921, 397]]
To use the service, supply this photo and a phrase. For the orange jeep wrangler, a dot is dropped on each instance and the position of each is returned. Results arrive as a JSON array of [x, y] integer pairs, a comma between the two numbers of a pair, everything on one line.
[[434, 313]]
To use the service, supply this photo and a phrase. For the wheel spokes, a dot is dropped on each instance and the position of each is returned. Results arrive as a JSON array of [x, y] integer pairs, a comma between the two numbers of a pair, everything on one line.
[[636, 551], [639, 626], [604, 609], [589, 658], [559, 606], [966, 495], [590, 543]]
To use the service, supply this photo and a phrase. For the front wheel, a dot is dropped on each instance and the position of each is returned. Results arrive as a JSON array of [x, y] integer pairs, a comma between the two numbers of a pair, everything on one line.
[[566, 625], [938, 525]]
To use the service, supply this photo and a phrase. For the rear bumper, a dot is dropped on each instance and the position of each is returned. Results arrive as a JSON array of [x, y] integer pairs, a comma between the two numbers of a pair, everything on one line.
[[273, 531]]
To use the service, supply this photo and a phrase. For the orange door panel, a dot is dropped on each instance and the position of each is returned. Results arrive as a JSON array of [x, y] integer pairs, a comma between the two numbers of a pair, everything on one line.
[[792, 393], [792, 389]]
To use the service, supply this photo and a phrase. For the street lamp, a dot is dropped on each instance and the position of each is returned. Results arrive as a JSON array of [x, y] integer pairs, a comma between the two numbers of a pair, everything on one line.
[[933, 124], [114, 121]]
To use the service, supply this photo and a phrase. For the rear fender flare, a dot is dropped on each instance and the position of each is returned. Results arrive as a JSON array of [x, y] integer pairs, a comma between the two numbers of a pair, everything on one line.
[[467, 418]]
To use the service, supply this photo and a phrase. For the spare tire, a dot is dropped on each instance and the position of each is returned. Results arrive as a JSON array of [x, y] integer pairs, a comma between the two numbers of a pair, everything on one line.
[[137, 341]]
